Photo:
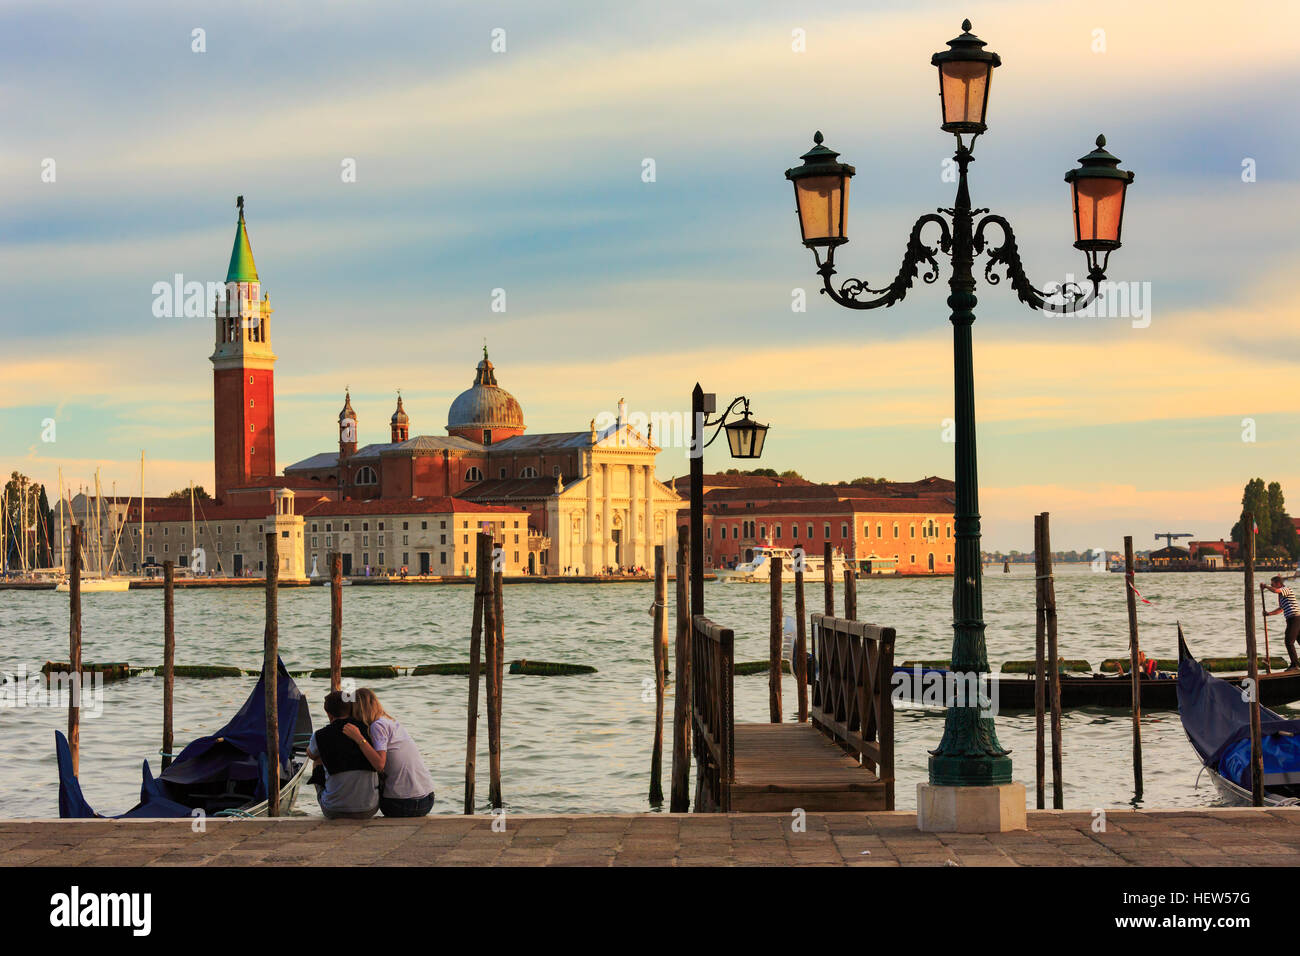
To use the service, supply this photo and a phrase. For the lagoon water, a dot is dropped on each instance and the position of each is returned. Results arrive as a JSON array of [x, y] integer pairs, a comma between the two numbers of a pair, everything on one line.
[[582, 744]]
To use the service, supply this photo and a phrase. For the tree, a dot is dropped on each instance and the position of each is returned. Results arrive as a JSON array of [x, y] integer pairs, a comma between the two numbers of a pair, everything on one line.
[[185, 493], [1254, 499], [22, 510], [45, 534]]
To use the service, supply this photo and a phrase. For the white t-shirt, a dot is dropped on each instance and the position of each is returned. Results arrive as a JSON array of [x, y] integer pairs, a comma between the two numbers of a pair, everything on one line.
[[405, 775]]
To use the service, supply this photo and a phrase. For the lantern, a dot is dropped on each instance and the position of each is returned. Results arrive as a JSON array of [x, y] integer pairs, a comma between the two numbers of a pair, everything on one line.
[[821, 195], [1098, 186], [746, 436], [965, 70]]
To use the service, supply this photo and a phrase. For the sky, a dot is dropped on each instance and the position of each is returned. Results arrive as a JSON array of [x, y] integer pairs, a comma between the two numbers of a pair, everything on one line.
[[507, 146]]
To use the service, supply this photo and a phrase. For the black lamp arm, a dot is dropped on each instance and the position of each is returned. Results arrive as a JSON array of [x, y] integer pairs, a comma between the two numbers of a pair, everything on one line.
[[1067, 298], [722, 420], [851, 291]]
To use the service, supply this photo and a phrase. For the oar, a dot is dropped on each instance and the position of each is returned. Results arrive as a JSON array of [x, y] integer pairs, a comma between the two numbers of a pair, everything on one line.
[[1268, 664]]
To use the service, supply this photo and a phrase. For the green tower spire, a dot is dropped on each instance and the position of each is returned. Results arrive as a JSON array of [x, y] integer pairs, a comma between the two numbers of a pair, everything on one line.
[[242, 268]]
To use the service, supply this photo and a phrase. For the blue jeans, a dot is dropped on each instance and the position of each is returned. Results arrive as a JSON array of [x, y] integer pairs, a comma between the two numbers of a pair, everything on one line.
[[406, 806]]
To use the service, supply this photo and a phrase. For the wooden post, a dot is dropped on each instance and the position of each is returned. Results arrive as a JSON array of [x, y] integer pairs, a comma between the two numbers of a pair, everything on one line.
[[475, 635], [74, 648], [169, 658], [828, 579], [1135, 676], [271, 675], [774, 644], [1040, 668], [679, 800], [850, 594], [800, 663], [1263, 607], [1053, 662], [660, 628], [1252, 663], [336, 621], [493, 675], [499, 616]]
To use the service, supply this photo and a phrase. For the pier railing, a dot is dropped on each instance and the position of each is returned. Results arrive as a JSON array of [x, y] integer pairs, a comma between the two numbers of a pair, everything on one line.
[[713, 722], [850, 691]]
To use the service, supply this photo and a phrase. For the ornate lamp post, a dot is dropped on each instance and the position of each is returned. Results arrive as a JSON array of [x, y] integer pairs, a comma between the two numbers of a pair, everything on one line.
[[745, 437], [969, 755]]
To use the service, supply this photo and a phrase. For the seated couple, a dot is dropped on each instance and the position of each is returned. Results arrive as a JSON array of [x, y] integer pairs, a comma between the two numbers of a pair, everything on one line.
[[370, 762]]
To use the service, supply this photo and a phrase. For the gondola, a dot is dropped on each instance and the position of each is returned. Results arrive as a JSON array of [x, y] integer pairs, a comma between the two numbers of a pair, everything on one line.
[[1216, 719], [1096, 690], [224, 774]]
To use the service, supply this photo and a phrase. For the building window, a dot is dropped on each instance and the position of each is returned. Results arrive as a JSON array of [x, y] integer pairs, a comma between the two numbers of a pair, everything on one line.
[[778, 533], [762, 531], [895, 529], [347, 526], [826, 531], [501, 472], [365, 526], [724, 532], [365, 541], [487, 437], [381, 559], [329, 540], [424, 526], [406, 539], [794, 530], [406, 558], [528, 472], [313, 528], [442, 557], [406, 525], [474, 474], [912, 529], [365, 558], [810, 531], [313, 541], [844, 531], [442, 524], [442, 539]]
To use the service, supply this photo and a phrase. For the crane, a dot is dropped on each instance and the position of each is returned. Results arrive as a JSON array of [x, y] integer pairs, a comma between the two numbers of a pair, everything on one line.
[[1170, 535]]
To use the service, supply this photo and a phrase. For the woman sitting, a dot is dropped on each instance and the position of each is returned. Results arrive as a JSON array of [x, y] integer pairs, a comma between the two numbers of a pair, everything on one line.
[[407, 788]]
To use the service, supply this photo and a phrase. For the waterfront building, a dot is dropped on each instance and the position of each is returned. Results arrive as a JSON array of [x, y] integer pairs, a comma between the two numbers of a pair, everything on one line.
[[903, 526], [574, 502]]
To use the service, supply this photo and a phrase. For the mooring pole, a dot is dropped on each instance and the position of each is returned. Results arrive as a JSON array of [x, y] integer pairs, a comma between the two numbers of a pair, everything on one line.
[[800, 663], [657, 654], [336, 620], [679, 801], [828, 579], [475, 642], [1134, 653], [493, 677], [1252, 663], [169, 658], [775, 634], [271, 674], [1053, 663], [74, 648], [1040, 668], [850, 594]]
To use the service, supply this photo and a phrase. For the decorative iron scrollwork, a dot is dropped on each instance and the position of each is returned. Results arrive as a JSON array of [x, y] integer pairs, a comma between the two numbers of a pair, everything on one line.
[[851, 291]]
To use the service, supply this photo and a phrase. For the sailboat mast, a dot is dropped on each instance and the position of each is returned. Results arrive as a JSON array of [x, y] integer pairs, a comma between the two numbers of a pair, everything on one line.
[[63, 551], [142, 511], [194, 542], [22, 524]]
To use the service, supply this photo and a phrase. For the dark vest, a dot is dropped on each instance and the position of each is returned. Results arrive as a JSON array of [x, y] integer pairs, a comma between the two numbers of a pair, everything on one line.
[[337, 752]]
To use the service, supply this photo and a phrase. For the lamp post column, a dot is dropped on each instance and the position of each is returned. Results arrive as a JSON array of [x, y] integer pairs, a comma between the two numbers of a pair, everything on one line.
[[697, 500], [969, 753]]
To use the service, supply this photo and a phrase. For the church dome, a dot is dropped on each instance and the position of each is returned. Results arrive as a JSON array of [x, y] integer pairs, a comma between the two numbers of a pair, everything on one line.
[[485, 406], [400, 417]]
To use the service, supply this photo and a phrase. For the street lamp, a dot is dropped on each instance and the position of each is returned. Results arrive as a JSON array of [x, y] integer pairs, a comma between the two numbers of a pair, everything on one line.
[[745, 437], [969, 753]]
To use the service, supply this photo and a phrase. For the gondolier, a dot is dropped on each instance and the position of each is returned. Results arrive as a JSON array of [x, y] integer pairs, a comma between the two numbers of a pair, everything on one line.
[[1288, 606]]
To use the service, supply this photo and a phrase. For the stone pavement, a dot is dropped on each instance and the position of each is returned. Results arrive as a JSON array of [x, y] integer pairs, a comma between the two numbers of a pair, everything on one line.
[[1205, 837]]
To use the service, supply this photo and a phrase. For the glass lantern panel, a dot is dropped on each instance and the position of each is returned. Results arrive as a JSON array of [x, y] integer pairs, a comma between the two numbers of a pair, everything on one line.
[[1099, 204], [821, 206], [965, 88]]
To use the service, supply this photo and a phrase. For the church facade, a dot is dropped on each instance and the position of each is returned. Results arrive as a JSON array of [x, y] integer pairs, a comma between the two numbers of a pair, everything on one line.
[[578, 502]]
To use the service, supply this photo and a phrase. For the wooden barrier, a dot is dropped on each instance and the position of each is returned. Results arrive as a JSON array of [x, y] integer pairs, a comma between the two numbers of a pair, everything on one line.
[[336, 620], [271, 675], [712, 656], [660, 663], [775, 633], [169, 658], [679, 800], [851, 692], [74, 647]]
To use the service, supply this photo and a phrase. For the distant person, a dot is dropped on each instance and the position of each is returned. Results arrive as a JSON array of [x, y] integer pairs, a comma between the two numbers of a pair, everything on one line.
[[407, 789], [1288, 606], [350, 789]]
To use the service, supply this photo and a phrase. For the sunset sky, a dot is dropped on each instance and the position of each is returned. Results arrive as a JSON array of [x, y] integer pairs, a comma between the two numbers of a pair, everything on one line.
[[522, 170]]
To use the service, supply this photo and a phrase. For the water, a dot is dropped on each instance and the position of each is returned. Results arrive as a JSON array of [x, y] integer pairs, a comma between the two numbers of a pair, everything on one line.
[[582, 744]]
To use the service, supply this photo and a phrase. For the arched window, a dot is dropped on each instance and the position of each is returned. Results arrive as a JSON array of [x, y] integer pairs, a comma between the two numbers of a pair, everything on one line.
[[366, 476], [895, 529], [528, 472], [474, 474]]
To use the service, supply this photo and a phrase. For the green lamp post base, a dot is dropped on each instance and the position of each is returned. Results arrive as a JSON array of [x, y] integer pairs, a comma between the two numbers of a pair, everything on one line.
[[949, 770]]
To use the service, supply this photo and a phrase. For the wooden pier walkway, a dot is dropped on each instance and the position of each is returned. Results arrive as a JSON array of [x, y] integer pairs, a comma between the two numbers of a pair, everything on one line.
[[842, 759], [1206, 837]]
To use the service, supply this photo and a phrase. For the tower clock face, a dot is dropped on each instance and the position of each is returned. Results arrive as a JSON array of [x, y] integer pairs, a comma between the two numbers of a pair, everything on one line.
[[348, 430]]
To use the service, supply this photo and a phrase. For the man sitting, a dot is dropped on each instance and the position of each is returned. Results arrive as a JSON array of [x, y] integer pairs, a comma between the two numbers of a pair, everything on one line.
[[351, 787]]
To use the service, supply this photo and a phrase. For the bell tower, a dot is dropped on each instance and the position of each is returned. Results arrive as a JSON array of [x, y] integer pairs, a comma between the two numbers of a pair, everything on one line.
[[243, 373]]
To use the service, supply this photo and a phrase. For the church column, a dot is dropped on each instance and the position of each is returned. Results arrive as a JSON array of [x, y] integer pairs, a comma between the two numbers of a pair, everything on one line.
[[589, 551], [669, 556], [606, 529], [633, 537]]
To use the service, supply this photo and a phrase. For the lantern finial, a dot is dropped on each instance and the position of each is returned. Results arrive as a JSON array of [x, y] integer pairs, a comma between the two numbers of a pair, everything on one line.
[[818, 138], [965, 25], [1101, 140]]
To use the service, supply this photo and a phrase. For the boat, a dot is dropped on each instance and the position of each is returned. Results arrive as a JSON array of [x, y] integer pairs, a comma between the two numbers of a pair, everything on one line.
[[1216, 719], [96, 585], [221, 775], [918, 684], [759, 569]]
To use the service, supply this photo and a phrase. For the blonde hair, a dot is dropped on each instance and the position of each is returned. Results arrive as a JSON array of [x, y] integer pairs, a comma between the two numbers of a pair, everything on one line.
[[367, 707]]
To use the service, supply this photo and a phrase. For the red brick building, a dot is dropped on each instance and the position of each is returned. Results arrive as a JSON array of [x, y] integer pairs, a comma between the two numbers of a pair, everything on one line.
[[902, 525]]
